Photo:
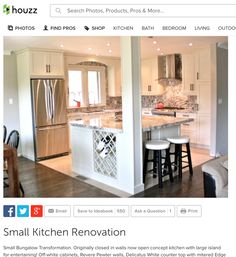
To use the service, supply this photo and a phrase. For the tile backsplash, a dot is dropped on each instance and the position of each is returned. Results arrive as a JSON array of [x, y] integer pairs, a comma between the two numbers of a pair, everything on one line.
[[114, 102], [173, 97]]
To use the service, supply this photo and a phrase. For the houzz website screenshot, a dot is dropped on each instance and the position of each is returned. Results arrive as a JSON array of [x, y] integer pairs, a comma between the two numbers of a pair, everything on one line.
[[118, 129]]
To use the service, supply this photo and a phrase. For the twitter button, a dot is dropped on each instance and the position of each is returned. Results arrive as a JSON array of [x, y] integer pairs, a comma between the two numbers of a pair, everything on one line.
[[22, 210]]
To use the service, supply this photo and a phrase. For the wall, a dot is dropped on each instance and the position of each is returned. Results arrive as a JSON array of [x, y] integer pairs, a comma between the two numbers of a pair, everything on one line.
[[10, 111], [222, 101]]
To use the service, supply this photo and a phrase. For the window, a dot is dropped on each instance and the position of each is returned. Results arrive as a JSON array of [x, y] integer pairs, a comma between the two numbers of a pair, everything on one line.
[[86, 85], [75, 87], [94, 87]]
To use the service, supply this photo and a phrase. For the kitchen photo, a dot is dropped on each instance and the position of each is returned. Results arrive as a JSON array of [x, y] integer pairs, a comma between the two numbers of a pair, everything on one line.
[[115, 116]]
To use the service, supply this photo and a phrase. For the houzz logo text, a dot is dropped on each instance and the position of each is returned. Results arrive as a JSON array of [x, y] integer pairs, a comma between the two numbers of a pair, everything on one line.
[[7, 9]]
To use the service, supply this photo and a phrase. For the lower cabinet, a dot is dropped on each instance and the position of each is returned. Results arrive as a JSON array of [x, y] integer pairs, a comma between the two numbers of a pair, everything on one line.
[[204, 129], [189, 128], [197, 130]]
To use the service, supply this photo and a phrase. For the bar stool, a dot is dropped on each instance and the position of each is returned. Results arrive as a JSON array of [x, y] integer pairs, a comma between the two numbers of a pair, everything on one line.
[[157, 146], [178, 142]]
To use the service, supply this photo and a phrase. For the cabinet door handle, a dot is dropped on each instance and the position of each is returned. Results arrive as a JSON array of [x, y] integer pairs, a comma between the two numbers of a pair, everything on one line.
[[191, 87], [198, 76], [48, 68], [186, 124], [185, 115]]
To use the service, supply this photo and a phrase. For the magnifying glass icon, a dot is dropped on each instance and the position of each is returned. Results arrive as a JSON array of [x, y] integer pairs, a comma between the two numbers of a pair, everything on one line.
[[58, 10]]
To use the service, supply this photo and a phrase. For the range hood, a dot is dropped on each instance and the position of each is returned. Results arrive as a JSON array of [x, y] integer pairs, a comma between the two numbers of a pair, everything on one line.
[[170, 69]]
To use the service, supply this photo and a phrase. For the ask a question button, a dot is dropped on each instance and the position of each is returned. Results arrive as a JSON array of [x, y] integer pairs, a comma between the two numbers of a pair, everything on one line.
[[57, 211]]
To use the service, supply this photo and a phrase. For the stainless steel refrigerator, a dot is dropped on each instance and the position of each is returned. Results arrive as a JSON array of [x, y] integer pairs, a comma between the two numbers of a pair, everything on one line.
[[49, 118]]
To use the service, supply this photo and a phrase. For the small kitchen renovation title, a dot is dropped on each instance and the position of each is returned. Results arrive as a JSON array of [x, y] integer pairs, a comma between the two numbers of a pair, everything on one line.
[[42, 232]]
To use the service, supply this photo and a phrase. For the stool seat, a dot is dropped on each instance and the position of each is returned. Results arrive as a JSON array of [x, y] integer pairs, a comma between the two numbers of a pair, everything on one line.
[[157, 145], [178, 140]]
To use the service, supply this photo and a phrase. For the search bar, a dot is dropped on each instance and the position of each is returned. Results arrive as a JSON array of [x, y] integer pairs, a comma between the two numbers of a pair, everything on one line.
[[145, 11]]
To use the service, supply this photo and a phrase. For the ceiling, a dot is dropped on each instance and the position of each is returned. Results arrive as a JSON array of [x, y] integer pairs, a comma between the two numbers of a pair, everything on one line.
[[110, 46]]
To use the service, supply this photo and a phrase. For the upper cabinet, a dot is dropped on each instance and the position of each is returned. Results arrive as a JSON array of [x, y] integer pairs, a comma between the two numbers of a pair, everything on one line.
[[203, 65], [149, 76], [46, 63], [41, 63], [203, 80], [114, 78], [196, 70], [188, 65]]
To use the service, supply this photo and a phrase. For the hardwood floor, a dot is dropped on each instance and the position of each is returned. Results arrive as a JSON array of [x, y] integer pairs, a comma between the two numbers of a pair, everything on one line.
[[189, 186], [41, 181]]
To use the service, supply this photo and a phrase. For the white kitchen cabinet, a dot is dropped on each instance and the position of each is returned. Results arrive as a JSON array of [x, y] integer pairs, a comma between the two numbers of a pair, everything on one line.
[[46, 63], [189, 128], [204, 97], [197, 130], [197, 81], [196, 69], [114, 78], [203, 65], [203, 81], [188, 71], [204, 130], [149, 76]]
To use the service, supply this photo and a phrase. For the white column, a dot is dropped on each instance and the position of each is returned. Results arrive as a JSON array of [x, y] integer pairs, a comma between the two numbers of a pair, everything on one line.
[[131, 107]]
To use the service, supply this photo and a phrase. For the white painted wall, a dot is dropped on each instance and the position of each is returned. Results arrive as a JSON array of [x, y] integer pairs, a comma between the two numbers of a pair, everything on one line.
[[25, 109], [222, 101], [10, 100], [219, 100]]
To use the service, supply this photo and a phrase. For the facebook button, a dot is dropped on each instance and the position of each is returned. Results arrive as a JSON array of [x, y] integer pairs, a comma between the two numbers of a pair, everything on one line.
[[9, 211], [22, 210]]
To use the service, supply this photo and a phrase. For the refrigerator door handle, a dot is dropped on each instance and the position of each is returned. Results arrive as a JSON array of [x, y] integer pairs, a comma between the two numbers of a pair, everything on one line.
[[46, 95], [52, 99]]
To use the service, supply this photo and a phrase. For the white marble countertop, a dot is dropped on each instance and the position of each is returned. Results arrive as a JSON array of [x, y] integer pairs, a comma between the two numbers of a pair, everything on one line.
[[108, 123], [92, 113]]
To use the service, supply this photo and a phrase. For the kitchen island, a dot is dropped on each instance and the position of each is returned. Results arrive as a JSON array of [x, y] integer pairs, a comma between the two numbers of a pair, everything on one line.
[[98, 146]]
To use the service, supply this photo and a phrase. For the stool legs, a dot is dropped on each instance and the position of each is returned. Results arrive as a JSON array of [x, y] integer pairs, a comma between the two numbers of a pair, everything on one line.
[[178, 162], [157, 165], [189, 159], [176, 158], [159, 168], [169, 165], [179, 159]]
